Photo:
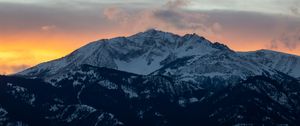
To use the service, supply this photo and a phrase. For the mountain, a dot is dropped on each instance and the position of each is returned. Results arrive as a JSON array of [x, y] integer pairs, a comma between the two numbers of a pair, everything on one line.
[[142, 53], [149, 51], [155, 78], [91, 95]]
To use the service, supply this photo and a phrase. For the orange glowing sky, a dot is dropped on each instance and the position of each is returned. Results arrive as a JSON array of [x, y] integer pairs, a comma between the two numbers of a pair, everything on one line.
[[33, 32]]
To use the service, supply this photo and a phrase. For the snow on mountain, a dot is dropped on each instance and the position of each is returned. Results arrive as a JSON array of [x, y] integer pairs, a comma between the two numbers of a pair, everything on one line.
[[153, 51], [141, 53], [221, 68], [286, 63], [3, 114]]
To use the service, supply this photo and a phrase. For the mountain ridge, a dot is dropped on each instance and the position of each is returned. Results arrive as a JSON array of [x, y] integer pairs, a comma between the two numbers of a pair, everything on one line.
[[90, 95], [141, 53]]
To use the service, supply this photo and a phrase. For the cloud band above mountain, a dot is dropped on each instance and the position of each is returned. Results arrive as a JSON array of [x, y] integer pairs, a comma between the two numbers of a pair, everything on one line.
[[79, 22]]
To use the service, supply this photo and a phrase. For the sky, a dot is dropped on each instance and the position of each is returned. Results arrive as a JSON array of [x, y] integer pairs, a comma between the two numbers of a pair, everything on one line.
[[35, 31]]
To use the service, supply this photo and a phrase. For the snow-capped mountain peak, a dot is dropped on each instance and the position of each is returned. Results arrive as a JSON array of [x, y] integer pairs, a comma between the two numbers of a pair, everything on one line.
[[154, 50], [141, 53]]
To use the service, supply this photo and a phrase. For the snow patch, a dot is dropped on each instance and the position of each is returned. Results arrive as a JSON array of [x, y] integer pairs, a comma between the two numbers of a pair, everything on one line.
[[193, 100], [55, 107], [76, 83], [3, 113], [107, 84], [80, 111], [182, 102], [130, 92], [140, 65]]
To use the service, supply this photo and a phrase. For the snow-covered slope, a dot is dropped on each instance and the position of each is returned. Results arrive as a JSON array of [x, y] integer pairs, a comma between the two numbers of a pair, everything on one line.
[[214, 69], [286, 63]]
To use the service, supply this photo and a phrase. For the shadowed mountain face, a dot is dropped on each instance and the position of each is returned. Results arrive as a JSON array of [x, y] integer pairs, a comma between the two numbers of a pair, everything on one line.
[[155, 78], [100, 96]]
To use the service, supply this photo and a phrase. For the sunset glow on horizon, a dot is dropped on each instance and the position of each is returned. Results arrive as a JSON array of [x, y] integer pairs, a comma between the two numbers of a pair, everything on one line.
[[36, 31]]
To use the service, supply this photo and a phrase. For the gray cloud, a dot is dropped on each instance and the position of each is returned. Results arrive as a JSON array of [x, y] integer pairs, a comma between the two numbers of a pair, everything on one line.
[[181, 20], [295, 10], [30, 18], [176, 4], [275, 31], [173, 15], [170, 16], [272, 45], [290, 40]]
